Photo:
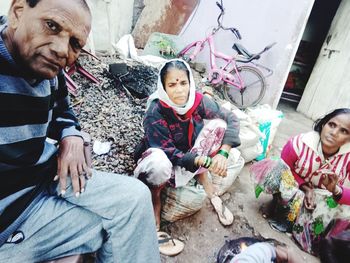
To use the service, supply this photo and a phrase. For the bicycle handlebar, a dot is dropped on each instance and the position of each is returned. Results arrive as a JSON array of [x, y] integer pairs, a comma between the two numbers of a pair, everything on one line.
[[232, 29], [220, 6], [236, 33], [268, 47]]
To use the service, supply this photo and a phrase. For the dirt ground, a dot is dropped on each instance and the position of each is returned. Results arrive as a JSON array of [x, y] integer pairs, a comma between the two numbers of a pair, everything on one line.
[[202, 233]]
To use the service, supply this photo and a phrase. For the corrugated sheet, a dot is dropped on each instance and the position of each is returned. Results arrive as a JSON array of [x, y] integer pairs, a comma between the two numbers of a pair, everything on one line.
[[165, 16]]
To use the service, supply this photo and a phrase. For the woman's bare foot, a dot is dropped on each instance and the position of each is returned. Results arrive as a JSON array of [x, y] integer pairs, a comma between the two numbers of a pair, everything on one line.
[[225, 215], [208, 186]]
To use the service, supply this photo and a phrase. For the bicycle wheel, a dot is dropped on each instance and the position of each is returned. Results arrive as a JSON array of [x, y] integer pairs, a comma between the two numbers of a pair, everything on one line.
[[253, 90]]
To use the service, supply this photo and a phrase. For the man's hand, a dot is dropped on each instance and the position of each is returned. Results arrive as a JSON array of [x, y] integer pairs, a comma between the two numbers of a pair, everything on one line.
[[309, 199], [71, 162], [219, 165]]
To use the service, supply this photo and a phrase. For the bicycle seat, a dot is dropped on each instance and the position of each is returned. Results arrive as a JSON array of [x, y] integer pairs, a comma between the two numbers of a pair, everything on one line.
[[242, 50]]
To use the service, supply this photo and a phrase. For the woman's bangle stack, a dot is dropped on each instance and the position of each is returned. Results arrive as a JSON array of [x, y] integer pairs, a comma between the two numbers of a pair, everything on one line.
[[207, 162], [223, 153]]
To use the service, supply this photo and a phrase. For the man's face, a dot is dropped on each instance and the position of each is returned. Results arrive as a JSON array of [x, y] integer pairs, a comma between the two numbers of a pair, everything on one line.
[[49, 36]]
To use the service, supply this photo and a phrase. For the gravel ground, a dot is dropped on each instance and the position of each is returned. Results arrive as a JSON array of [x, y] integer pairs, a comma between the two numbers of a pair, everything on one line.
[[109, 113]]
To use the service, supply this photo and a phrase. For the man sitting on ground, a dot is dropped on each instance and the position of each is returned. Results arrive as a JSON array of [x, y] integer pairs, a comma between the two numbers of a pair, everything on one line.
[[48, 209]]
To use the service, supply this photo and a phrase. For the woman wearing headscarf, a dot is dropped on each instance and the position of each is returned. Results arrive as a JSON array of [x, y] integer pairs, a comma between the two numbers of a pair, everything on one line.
[[186, 134]]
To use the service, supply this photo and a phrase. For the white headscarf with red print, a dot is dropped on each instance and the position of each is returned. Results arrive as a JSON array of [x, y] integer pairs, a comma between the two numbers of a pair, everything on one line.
[[161, 94]]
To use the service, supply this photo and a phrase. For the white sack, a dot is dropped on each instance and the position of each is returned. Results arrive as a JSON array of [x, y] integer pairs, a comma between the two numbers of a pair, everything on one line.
[[234, 167], [126, 49]]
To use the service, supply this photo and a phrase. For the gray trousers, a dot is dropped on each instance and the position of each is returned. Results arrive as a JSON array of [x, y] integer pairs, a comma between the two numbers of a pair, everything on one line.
[[114, 216]]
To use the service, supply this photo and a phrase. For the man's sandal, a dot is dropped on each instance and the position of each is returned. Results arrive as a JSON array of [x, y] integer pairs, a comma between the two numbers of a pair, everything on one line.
[[169, 246], [225, 215]]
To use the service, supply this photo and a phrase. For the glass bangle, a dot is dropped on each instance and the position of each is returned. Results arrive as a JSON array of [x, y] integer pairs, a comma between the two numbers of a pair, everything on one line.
[[223, 153], [207, 160]]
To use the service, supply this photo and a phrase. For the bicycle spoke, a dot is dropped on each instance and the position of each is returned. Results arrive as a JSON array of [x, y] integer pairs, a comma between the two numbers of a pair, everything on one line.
[[250, 94], [251, 84]]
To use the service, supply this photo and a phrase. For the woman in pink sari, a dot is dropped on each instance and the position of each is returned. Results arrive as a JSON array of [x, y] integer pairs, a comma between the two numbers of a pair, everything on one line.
[[311, 184]]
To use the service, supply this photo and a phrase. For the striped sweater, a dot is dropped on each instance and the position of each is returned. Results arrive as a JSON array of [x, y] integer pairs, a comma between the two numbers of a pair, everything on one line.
[[30, 111], [304, 156]]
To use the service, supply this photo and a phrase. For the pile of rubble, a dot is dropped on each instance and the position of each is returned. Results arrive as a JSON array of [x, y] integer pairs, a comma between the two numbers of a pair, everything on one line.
[[110, 113]]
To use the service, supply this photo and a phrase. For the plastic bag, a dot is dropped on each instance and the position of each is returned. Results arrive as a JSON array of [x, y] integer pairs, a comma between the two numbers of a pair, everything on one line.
[[249, 132], [248, 137], [252, 152], [268, 121], [234, 167], [182, 202], [273, 176], [126, 49]]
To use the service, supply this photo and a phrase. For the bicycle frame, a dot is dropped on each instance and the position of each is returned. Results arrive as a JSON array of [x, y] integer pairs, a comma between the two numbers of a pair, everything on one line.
[[217, 74], [231, 72]]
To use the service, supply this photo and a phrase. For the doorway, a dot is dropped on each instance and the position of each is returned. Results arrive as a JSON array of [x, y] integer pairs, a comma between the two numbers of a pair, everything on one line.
[[316, 30]]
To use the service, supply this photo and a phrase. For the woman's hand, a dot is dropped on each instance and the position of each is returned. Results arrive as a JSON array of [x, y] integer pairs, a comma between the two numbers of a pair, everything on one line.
[[219, 165], [309, 200], [330, 182]]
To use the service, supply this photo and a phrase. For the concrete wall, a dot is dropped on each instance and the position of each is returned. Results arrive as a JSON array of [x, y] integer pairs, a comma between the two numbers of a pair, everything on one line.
[[260, 23], [329, 84], [4, 6], [139, 5], [111, 20]]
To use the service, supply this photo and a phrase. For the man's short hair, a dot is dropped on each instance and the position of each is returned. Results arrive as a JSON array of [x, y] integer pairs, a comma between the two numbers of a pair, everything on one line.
[[33, 3]]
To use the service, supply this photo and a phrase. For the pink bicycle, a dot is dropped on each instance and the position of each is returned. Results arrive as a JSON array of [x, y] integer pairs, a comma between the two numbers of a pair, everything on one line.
[[243, 86]]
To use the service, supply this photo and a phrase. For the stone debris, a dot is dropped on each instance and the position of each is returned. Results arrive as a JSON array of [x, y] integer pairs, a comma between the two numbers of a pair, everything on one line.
[[109, 114]]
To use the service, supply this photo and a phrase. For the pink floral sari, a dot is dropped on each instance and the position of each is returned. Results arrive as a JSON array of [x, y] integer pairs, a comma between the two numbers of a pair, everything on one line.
[[273, 176], [207, 143]]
